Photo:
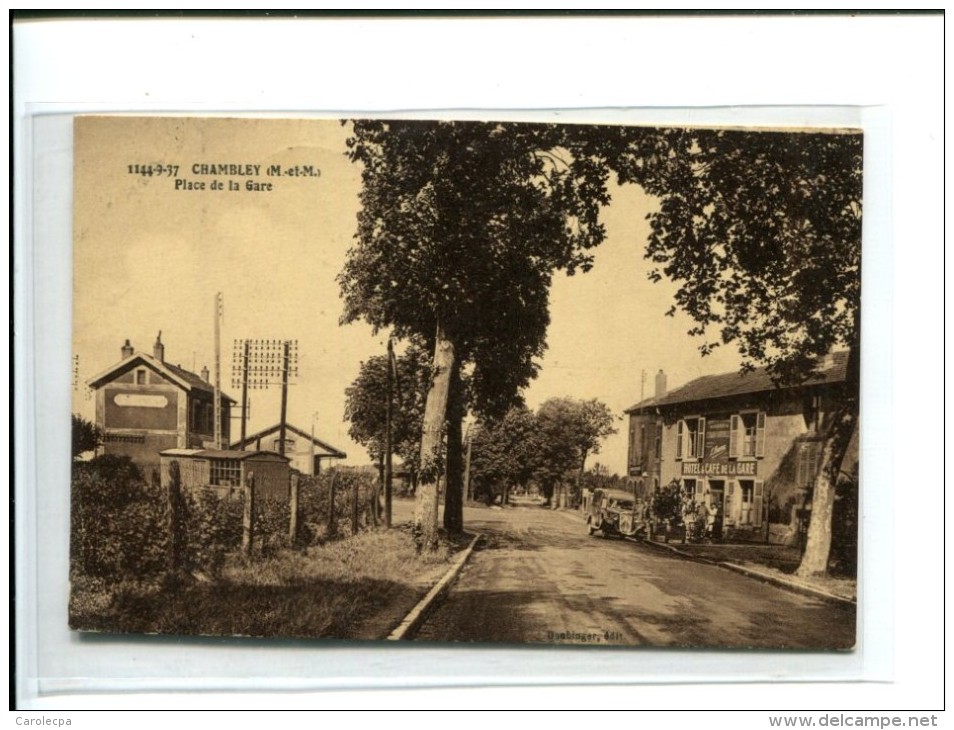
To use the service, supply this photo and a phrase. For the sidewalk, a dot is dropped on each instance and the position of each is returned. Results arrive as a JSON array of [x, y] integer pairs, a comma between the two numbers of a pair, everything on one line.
[[772, 563]]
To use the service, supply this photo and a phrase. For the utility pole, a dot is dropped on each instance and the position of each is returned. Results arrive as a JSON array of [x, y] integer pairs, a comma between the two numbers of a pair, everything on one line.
[[261, 364], [281, 431], [217, 407], [470, 445], [388, 446]]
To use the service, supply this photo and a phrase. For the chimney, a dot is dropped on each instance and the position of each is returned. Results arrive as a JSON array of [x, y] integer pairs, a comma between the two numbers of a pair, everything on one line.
[[127, 350], [660, 384], [158, 349], [205, 373]]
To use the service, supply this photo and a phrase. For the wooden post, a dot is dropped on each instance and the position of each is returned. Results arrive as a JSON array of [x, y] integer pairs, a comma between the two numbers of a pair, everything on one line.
[[354, 506], [293, 510], [332, 517], [248, 514], [174, 504]]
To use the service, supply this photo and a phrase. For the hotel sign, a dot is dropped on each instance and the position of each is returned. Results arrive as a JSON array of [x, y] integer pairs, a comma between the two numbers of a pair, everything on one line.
[[719, 469]]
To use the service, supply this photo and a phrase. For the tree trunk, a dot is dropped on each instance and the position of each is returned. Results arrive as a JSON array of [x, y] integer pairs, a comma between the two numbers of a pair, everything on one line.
[[838, 434], [435, 416], [454, 492]]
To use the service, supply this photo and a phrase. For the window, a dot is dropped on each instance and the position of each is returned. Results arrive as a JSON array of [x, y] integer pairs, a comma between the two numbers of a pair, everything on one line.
[[744, 502], [225, 473], [747, 435], [658, 441], [747, 496], [690, 438], [633, 456], [689, 488], [140, 377], [289, 445], [807, 463]]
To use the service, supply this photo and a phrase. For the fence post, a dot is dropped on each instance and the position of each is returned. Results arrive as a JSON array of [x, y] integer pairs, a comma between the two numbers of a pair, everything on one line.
[[293, 509], [174, 501], [248, 514], [354, 506], [332, 517]]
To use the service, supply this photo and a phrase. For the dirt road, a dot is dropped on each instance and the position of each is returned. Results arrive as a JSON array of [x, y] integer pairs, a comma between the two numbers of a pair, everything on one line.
[[538, 578]]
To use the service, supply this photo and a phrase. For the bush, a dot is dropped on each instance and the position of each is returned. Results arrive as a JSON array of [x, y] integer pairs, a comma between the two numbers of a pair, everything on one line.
[[212, 528], [667, 504], [118, 522], [314, 503]]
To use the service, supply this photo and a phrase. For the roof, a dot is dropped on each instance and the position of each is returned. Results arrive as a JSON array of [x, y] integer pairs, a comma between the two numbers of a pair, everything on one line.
[[221, 454], [832, 370], [330, 451], [184, 378]]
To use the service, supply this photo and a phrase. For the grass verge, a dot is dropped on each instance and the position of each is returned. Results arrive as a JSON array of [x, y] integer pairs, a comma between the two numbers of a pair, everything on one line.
[[358, 587]]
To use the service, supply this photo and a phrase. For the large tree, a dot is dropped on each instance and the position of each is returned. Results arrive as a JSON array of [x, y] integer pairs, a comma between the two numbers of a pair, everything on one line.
[[761, 232], [461, 228]]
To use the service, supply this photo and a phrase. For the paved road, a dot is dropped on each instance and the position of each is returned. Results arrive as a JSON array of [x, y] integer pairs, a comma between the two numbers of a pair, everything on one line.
[[538, 578]]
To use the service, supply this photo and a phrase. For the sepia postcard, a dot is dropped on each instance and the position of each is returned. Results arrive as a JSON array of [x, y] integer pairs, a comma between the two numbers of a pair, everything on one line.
[[495, 381]]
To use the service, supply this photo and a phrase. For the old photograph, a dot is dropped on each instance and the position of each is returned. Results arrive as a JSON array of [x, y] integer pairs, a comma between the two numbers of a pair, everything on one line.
[[436, 380]]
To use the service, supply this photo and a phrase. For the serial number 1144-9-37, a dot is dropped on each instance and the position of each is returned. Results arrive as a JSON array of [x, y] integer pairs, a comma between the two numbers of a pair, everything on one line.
[[153, 169]]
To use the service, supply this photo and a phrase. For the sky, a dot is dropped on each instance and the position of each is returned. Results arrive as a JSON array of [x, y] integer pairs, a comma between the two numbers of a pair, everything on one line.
[[149, 257]]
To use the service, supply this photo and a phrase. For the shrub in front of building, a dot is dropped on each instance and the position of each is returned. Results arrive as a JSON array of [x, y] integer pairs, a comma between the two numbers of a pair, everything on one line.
[[118, 522]]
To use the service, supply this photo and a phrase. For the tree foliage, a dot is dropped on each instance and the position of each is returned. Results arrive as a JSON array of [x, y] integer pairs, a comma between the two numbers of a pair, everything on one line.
[[569, 430], [365, 404], [504, 453], [461, 228], [761, 233], [86, 436]]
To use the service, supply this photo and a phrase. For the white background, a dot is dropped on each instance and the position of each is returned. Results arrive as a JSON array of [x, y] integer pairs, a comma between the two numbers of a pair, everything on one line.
[[889, 68]]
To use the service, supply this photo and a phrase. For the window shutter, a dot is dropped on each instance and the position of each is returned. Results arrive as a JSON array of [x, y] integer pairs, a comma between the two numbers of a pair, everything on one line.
[[757, 506], [699, 489], [760, 434], [680, 430], [730, 515], [734, 424], [701, 438]]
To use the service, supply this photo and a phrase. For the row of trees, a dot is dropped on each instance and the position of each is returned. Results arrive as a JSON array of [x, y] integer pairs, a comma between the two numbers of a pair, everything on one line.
[[463, 225], [548, 447]]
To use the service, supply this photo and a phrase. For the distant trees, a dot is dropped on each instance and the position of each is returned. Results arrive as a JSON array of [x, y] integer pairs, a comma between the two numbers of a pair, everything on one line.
[[504, 454], [570, 430], [549, 447]]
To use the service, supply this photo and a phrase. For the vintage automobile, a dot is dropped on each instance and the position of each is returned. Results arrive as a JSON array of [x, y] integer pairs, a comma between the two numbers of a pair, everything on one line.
[[614, 512]]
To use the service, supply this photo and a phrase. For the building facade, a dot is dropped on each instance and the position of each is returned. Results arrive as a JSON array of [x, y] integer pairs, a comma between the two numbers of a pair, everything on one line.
[[145, 405], [738, 442], [225, 473], [304, 450]]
